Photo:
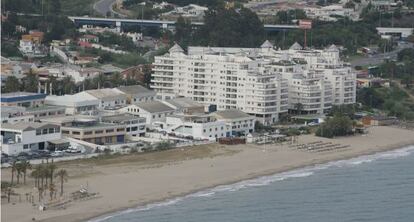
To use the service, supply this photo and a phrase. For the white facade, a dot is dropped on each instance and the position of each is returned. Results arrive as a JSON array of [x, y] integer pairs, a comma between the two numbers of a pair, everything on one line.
[[197, 127], [75, 104], [26, 46], [15, 114], [262, 82], [135, 36], [134, 126], [157, 113], [191, 10], [24, 137], [227, 80], [107, 97], [238, 122]]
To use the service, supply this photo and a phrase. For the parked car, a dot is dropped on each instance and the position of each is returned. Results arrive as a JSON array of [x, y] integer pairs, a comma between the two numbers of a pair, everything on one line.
[[57, 153], [73, 150], [44, 153]]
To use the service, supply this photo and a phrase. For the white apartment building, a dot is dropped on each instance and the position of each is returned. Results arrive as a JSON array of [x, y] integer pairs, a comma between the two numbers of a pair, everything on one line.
[[227, 81], [262, 82], [341, 77]]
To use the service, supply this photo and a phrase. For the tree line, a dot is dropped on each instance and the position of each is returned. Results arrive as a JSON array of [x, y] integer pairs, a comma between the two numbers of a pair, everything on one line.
[[67, 85], [223, 27], [43, 175]]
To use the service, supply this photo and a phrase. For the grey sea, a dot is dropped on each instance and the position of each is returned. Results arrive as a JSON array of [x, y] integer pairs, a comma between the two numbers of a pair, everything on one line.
[[377, 187]]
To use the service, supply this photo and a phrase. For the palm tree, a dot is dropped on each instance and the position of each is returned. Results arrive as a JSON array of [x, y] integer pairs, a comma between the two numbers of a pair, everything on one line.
[[13, 170], [52, 190], [19, 171], [35, 174], [52, 167], [299, 108], [25, 165], [40, 190], [9, 192], [63, 176]]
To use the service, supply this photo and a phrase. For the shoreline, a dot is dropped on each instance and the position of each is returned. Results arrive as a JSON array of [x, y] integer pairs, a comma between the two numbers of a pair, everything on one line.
[[135, 182], [185, 195]]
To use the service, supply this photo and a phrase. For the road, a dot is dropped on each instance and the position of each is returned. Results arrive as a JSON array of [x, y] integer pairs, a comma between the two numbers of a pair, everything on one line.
[[105, 6], [379, 58]]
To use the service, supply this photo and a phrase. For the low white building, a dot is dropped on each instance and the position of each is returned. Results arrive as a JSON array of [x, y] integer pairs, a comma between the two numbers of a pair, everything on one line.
[[153, 112], [107, 97], [135, 36], [75, 104], [137, 93], [239, 123], [15, 114], [200, 127], [26, 46], [134, 125], [188, 11], [185, 105], [25, 137]]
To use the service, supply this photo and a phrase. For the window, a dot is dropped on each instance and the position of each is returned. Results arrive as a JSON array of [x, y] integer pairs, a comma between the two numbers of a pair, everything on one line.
[[57, 129], [65, 132], [98, 131], [44, 131], [87, 133], [120, 129], [110, 130], [134, 128], [25, 146], [108, 139], [38, 132], [51, 130], [75, 132]]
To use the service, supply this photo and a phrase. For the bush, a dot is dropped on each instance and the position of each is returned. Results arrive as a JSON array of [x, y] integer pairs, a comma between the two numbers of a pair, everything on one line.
[[335, 126], [164, 145]]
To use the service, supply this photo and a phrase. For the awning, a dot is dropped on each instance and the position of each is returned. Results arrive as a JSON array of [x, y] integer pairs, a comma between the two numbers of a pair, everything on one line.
[[59, 141]]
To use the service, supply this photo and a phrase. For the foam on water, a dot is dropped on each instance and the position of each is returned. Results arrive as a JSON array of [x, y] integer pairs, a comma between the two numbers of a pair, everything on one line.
[[266, 180]]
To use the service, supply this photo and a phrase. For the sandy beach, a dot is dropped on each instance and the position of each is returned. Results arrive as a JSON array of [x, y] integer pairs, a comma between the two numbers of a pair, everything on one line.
[[137, 179]]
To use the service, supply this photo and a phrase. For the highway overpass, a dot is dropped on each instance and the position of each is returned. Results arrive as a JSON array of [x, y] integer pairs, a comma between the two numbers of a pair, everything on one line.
[[118, 22]]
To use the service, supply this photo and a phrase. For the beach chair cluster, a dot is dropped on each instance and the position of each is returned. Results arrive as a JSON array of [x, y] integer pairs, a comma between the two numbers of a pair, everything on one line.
[[57, 204], [319, 146], [83, 194]]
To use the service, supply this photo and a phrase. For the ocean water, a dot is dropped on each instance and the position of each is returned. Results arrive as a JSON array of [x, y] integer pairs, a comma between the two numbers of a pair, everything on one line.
[[377, 187]]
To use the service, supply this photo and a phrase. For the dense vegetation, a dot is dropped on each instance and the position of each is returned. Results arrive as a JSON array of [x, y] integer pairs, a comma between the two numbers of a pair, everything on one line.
[[339, 125], [65, 85], [402, 69], [223, 28], [393, 101]]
